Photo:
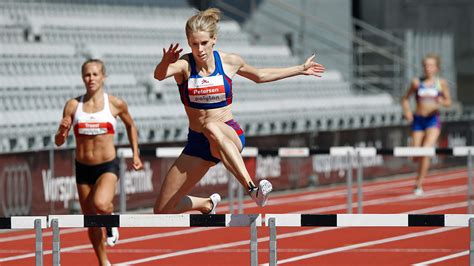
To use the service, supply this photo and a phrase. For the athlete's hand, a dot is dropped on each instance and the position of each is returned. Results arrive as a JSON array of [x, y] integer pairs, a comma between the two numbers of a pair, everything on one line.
[[137, 163], [310, 67], [172, 54], [65, 125]]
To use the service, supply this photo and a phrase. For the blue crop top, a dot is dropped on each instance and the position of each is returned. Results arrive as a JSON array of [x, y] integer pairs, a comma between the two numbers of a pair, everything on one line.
[[213, 91], [426, 93]]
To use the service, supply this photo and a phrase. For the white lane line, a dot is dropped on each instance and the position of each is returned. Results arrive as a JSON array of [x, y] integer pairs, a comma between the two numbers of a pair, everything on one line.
[[452, 256], [434, 209], [226, 245], [128, 240], [424, 210], [343, 191], [280, 250], [431, 194], [366, 244], [29, 235]]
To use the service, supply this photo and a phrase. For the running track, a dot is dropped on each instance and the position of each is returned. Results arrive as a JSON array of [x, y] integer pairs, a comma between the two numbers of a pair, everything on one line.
[[445, 192]]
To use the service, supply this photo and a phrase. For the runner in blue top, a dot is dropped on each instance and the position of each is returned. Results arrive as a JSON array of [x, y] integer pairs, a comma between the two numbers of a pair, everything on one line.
[[431, 92], [204, 79]]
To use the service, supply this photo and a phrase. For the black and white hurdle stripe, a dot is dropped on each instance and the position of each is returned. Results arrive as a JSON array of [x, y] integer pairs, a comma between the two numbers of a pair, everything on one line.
[[370, 220], [23, 222], [272, 221], [365, 220], [157, 220]]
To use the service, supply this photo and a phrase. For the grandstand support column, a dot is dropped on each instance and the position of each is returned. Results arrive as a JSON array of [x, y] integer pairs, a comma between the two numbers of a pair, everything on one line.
[[469, 176], [51, 170], [471, 241], [359, 182], [349, 182]]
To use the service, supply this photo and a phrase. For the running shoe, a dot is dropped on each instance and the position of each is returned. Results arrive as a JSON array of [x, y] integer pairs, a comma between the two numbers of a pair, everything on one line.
[[418, 191], [112, 236], [215, 199], [260, 194]]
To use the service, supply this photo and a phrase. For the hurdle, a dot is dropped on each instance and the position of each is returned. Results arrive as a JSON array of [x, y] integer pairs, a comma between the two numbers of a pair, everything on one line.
[[353, 155], [156, 220], [365, 220], [28, 222]]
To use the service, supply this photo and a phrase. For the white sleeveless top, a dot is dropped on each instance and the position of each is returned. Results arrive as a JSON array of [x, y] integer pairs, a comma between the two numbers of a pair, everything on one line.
[[90, 124]]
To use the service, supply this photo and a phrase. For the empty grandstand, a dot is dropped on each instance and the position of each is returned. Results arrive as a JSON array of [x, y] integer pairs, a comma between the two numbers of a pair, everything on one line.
[[44, 43], [306, 135]]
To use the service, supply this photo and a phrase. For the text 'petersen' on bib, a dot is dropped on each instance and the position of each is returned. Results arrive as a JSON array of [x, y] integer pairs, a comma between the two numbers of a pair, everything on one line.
[[206, 90]]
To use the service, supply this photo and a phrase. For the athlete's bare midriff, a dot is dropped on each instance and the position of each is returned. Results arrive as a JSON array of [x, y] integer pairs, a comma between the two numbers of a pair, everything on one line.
[[92, 150], [200, 117], [426, 109]]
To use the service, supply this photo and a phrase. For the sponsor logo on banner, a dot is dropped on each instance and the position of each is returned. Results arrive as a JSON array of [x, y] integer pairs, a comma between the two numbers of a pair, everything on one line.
[[138, 181], [59, 189], [268, 167], [216, 175], [456, 140], [327, 163], [16, 189]]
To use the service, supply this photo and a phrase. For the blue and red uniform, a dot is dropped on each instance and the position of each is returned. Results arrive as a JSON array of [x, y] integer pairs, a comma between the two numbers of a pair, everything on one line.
[[427, 94], [213, 91]]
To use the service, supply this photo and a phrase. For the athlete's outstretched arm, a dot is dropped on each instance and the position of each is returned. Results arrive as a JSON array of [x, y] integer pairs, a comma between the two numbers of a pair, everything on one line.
[[66, 122], [260, 75], [132, 133], [170, 63]]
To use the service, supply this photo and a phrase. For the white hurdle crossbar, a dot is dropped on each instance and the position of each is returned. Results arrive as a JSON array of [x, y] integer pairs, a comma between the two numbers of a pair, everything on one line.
[[156, 220], [28, 222], [366, 220]]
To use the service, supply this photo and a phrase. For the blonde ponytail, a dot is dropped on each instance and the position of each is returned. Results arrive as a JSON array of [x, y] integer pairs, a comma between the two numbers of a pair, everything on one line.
[[204, 21]]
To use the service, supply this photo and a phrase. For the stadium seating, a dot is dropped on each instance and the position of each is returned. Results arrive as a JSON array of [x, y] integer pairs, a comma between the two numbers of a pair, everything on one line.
[[42, 47]]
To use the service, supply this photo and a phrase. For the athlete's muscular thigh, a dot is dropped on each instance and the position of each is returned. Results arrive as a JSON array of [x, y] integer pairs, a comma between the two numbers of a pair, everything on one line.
[[181, 178], [85, 192], [431, 136], [218, 131], [417, 138]]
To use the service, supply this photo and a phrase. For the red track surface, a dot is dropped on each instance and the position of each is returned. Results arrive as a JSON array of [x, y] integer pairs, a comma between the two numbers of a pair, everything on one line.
[[445, 192]]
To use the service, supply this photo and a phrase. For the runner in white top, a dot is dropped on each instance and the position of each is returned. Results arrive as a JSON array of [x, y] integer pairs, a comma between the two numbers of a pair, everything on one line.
[[93, 117]]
